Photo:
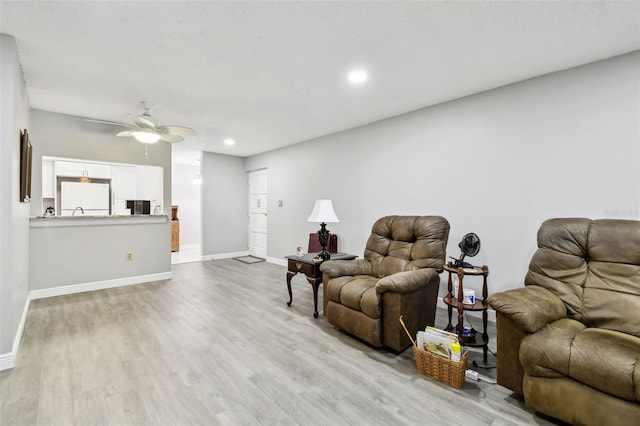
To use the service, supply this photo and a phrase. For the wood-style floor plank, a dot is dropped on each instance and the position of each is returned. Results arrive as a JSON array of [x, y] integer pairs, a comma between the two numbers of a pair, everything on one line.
[[217, 345]]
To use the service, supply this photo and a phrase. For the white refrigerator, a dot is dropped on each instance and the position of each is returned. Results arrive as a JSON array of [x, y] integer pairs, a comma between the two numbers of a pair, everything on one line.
[[92, 198]]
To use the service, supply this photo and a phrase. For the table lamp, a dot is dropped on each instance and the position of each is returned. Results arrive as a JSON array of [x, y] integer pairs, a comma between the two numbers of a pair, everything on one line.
[[323, 212]]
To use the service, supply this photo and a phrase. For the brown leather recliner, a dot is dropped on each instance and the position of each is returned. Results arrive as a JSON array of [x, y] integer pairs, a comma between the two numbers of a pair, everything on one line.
[[399, 275], [569, 341]]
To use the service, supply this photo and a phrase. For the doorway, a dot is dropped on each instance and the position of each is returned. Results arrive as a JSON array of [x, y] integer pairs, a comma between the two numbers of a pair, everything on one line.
[[186, 194], [258, 213]]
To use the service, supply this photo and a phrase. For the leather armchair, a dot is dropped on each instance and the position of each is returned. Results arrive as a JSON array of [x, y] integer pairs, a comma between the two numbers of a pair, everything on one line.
[[399, 275], [569, 340]]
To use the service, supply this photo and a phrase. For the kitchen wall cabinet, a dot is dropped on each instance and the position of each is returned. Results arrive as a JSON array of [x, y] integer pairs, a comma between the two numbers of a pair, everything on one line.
[[48, 180], [81, 169], [150, 186], [123, 182], [123, 188]]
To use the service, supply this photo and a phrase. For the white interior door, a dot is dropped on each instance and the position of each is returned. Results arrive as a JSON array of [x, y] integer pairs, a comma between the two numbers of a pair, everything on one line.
[[258, 213]]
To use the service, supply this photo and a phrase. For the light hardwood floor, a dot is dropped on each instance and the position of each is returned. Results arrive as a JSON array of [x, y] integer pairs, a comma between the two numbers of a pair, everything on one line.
[[217, 344]]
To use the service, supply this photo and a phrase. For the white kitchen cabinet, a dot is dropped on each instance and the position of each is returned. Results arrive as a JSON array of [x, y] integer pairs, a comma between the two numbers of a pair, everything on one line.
[[83, 169], [123, 182], [69, 168], [48, 180], [150, 186], [95, 170]]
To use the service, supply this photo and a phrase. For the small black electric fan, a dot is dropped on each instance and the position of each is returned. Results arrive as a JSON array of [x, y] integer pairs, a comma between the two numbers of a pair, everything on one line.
[[469, 246]]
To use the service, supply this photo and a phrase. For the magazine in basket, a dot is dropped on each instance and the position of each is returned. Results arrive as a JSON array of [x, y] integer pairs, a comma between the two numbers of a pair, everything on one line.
[[448, 369], [439, 342]]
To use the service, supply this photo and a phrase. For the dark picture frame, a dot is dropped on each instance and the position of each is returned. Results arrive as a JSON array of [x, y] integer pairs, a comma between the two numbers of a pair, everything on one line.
[[25, 167]]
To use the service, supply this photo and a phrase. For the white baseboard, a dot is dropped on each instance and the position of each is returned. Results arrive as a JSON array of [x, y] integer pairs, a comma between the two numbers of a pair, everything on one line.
[[8, 360], [277, 261], [99, 285]]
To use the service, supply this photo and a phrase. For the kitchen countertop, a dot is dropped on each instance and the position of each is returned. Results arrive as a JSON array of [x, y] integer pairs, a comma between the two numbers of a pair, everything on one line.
[[89, 220]]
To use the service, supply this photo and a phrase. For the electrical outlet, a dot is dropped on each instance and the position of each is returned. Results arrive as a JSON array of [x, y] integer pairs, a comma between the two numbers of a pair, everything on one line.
[[280, 203], [129, 256]]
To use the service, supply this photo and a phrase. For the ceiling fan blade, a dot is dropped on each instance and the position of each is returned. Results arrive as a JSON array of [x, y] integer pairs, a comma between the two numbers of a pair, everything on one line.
[[106, 122], [171, 138], [125, 134], [176, 130]]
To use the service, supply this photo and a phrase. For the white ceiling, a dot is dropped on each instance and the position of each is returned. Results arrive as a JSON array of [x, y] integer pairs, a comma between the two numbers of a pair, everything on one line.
[[271, 74]]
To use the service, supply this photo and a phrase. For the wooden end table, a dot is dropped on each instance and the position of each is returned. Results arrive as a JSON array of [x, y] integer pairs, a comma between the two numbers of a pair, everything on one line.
[[475, 338], [306, 264]]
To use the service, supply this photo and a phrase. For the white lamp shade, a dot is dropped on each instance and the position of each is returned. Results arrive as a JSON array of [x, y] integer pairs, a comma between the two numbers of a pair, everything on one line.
[[146, 136], [323, 212]]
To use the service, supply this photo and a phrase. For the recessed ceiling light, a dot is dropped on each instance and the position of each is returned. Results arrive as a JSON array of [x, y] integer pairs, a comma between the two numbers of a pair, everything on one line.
[[358, 76], [229, 142]]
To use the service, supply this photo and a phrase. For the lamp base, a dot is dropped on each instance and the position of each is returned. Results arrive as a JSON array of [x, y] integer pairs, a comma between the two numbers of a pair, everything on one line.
[[323, 238], [325, 255]]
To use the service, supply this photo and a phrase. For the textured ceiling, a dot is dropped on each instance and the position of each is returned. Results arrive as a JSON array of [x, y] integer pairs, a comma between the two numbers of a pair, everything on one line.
[[271, 74]]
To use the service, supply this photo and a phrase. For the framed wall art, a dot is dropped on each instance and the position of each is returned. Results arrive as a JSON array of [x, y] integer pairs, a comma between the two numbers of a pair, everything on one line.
[[25, 167]]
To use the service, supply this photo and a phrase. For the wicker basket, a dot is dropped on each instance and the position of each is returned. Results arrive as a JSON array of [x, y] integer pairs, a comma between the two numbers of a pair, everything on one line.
[[449, 372], [443, 370]]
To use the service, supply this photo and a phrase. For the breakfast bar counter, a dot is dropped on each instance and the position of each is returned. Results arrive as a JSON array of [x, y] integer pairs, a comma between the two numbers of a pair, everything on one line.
[[79, 253], [88, 220]]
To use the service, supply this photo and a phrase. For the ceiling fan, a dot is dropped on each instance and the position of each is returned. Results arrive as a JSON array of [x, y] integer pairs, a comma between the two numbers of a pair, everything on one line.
[[146, 129]]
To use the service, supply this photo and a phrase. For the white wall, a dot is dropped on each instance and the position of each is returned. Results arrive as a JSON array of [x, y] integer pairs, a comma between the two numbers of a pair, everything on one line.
[[187, 197], [224, 205], [61, 135], [14, 216], [496, 163]]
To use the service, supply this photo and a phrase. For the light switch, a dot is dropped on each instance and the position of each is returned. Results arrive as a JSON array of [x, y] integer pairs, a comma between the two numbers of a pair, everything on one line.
[[280, 203]]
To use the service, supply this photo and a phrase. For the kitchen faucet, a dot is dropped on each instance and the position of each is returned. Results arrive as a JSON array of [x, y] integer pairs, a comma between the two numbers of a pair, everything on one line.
[[74, 210]]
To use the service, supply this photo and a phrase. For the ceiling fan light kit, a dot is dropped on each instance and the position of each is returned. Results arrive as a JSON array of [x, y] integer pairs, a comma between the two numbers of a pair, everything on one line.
[[145, 136]]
